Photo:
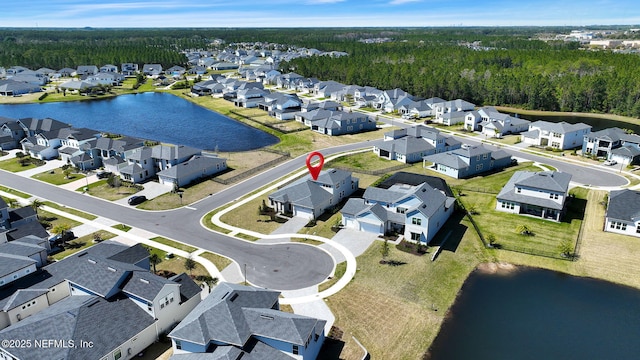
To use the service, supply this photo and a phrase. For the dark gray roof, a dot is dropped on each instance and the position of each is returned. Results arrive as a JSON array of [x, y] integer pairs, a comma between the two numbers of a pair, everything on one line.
[[20, 248], [449, 159], [145, 285], [75, 318], [628, 151], [21, 213], [624, 205], [20, 297], [309, 193], [402, 177], [12, 263], [25, 229], [612, 134], [544, 180], [131, 254], [168, 152], [407, 145], [188, 288], [119, 145]]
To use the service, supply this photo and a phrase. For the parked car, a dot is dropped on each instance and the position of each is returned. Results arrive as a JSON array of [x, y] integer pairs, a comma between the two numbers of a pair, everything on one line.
[[137, 200], [610, 162], [103, 174]]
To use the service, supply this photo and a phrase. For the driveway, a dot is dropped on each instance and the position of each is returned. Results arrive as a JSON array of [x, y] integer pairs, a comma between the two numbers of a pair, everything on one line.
[[357, 242], [290, 227], [151, 190], [48, 166]]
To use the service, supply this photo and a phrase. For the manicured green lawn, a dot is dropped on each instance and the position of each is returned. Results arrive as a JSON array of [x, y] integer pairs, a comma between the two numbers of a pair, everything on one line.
[[14, 165], [220, 262], [14, 192], [102, 190], [122, 227], [363, 161], [72, 211], [57, 177], [54, 219], [174, 244]]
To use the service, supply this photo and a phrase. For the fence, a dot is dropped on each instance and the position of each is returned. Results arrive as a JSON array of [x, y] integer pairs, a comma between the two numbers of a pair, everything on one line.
[[248, 173], [274, 128], [372, 172]]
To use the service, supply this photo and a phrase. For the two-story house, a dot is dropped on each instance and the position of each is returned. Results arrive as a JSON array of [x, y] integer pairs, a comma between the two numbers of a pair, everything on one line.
[[417, 211], [281, 106], [612, 143], [623, 212], [392, 100], [237, 321], [412, 144], [310, 198], [467, 161], [542, 194], [458, 107], [104, 294], [492, 123], [560, 135]]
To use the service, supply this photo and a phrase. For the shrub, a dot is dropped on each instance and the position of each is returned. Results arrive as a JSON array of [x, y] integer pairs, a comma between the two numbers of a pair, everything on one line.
[[43, 96]]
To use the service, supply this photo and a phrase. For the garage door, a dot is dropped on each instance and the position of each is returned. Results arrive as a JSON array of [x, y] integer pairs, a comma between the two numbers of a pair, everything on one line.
[[372, 228], [303, 212]]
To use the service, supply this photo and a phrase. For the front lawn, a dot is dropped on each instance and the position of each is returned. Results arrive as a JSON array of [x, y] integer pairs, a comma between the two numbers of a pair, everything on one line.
[[50, 220], [17, 164], [69, 210], [104, 191], [57, 177], [368, 161]]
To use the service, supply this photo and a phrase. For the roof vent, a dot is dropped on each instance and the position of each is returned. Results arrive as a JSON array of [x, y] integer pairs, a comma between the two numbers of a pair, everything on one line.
[[144, 281], [111, 269], [91, 261], [266, 317], [233, 297], [82, 254], [225, 295]]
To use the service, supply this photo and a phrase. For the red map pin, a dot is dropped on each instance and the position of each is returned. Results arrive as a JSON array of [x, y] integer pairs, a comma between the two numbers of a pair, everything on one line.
[[315, 170]]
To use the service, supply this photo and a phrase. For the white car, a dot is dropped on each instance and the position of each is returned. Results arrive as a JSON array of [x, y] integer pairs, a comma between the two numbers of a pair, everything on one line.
[[610, 162]]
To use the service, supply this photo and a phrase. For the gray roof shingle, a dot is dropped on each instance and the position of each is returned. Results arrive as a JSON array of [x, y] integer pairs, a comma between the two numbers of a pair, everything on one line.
[[624, 205]]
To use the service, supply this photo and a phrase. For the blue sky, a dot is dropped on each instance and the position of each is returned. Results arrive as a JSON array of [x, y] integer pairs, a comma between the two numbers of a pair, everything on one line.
[[315, 13]]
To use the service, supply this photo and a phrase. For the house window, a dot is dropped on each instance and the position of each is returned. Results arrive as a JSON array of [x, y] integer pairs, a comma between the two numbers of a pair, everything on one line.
[[618, 225], [416, 221], [401, 210], [117, 354], [178, 344], [485, 156], [638, 229], [479, 167], [415, 236], [519, 190], [296, 350], [556, 135], [553, 196]]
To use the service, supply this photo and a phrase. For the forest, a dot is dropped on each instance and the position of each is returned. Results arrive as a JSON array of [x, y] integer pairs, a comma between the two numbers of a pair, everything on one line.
[[511, 67]]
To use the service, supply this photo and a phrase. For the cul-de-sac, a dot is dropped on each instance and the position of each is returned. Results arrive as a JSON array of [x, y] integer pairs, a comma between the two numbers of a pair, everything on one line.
[[319, 193]]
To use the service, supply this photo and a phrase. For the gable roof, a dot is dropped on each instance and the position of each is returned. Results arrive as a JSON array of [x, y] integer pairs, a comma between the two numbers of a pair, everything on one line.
[[197, 165], [560, 127], [232, 314], [624, 205], [75, 318], [544, 180]]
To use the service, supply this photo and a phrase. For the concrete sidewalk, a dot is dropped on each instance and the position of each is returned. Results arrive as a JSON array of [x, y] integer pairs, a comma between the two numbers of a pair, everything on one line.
[[290, 227]]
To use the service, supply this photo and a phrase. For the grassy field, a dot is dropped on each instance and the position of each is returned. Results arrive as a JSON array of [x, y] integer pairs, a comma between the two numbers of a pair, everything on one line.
[[122, 227], [220, 262], [75, 212], [57, 177], [174, 244], [363, 161], [14, 192], [54, 219], [81, 243], [246, 216], [102, 190], [14, 165]]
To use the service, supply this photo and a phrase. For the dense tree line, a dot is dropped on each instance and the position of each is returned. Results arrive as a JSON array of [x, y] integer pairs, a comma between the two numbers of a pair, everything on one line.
[[509, 68]]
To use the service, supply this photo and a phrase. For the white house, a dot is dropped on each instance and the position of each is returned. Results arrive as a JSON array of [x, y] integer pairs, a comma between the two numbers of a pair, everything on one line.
[[542, 194], [560, 135], [310, 198], [417, 211], [623, 212]]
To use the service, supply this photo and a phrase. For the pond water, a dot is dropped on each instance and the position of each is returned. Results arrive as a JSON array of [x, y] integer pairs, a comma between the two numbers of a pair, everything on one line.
[[596, 123], [153, 116], [540, 314]]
